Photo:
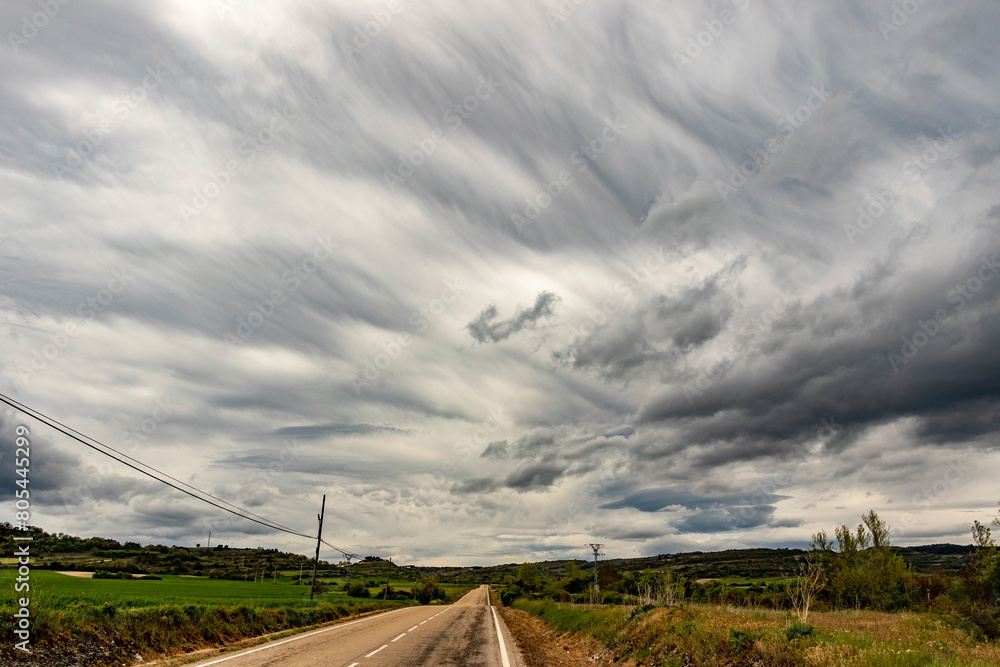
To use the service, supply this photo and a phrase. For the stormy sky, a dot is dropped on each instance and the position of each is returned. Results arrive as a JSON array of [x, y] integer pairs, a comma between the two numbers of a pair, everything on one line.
[[504, 278]]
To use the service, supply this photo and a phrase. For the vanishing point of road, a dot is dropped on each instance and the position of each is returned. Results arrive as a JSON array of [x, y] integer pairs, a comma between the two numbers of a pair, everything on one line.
[[468, 633]]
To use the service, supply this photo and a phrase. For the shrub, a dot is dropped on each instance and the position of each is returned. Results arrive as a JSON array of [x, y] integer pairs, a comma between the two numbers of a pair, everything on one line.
[[741, 641], [357, 589], [796, 630], [427, 589]]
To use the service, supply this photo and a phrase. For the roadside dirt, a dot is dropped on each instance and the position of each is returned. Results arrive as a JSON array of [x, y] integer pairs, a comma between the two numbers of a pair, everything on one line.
[[541, 646]]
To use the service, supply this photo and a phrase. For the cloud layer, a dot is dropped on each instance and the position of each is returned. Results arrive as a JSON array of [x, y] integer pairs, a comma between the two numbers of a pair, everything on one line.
[[504, 279]]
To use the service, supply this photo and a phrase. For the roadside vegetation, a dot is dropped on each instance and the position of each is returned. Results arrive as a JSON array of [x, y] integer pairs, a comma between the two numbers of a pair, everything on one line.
[[855, 601]]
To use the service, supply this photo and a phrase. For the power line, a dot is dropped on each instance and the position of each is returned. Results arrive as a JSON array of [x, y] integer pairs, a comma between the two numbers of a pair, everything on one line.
[[82, 439], [27, 410]]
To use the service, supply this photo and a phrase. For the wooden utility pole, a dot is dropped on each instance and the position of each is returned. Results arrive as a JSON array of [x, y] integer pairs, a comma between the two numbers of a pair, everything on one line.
[[319, 538], [209, 540]]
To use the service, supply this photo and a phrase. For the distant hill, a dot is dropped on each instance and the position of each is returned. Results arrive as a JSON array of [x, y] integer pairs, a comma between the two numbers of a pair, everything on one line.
[[60, 551], [748, 563]]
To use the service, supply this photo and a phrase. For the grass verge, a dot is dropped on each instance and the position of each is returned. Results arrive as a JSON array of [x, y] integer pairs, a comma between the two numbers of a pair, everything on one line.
[[719, 636]]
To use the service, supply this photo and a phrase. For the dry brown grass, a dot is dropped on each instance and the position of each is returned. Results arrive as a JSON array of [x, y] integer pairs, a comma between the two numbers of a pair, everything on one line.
[[718, 636]]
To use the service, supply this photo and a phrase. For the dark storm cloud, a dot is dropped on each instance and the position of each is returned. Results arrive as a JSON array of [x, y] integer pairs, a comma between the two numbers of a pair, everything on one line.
[[484, 328], [49, 469], [845, 357], [654, 500], [499, 449], [477, 485], [534, 477], [721, 520], [659, 331]]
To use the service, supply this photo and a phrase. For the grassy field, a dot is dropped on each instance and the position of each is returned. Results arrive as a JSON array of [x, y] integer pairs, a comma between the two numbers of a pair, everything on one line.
[[62, 590], [714, 635], [176, 613]]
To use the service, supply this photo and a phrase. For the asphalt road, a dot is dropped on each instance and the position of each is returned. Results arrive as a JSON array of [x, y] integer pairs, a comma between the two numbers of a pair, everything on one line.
[[463, 634]]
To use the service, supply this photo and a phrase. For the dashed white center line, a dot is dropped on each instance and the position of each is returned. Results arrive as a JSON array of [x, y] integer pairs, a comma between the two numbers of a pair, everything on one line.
[[413, 628], [354, 664], [376, 650], [422, 622], [398, 638]]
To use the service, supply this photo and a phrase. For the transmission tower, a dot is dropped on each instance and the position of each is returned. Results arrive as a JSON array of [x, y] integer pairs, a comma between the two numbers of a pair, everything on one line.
[[596, 548], [349, 557]]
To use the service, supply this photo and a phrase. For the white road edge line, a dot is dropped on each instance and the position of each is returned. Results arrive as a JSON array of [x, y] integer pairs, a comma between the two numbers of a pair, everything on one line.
[[302, 636], [398, 638], [503, 646], [376, 650]]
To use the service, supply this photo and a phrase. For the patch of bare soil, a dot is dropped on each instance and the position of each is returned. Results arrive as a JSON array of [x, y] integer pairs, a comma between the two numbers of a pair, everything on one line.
[[541, 646], [89, 652]]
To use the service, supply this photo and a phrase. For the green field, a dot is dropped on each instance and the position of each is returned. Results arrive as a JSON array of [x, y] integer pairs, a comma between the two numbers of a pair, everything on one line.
[[60, 590]]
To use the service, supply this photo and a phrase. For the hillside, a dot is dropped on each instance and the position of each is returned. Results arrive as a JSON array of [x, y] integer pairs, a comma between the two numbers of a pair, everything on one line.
[[66, 552]]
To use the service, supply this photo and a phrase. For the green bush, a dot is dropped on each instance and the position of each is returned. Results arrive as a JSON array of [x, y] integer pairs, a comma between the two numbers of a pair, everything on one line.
[[741, 641], [797, 629], [357, 589], [427, 589]]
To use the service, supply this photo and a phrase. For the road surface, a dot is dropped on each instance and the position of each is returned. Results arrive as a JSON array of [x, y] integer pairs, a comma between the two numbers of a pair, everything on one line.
[[466, 634]]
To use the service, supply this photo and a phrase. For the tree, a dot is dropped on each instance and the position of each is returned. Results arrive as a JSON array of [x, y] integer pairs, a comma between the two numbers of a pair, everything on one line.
[[805, 588], [427, 589], [528, 577], [865, 571], [984, 569], [608, 575]]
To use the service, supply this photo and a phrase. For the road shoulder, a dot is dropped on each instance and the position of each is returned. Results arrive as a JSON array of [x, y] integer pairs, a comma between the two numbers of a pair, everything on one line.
[[541, 646]]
